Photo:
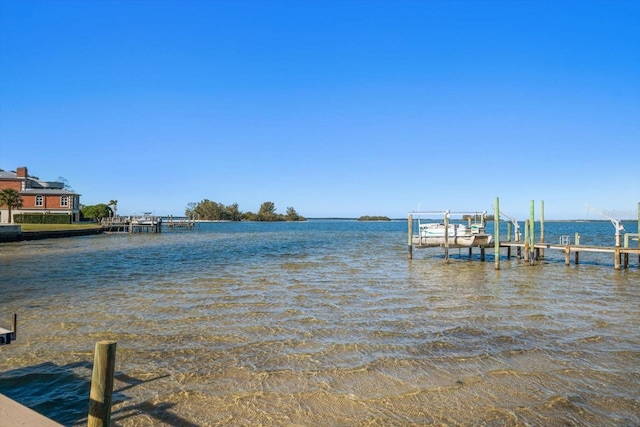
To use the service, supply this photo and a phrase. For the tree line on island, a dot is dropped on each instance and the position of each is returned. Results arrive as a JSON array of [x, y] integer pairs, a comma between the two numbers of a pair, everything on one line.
[[209, 210], [205, 210], [374, 218]]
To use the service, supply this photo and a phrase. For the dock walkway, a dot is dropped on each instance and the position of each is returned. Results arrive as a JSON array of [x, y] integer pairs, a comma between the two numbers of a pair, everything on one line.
[[13, 413], [620, 259], [132, 224], [528, 248]]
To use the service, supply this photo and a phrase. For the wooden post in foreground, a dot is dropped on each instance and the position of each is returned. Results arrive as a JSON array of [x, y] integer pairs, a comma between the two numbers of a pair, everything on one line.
[[446, 237], [541, 227], [410, 246], [526, 240], [532, 234], [102, 384], [14, 327], [496, 233]]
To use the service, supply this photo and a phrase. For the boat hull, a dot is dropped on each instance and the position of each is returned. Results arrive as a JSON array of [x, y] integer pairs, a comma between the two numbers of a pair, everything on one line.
[[467, 241]]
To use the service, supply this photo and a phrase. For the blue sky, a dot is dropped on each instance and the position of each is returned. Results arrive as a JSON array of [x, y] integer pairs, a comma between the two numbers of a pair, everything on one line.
[[336, 108]]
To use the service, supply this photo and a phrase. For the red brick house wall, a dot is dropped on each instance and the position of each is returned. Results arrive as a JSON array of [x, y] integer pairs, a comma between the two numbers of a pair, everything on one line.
[[51, 195]]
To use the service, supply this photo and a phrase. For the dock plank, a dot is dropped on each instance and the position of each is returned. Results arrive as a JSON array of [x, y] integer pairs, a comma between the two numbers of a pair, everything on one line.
[[15, 414]]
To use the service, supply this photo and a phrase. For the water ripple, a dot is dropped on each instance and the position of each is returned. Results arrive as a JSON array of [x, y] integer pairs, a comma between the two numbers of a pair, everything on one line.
[[320, 323]]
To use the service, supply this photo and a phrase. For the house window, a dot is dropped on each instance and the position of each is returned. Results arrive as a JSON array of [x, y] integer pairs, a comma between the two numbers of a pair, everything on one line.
[[64, 201], [39, 200]]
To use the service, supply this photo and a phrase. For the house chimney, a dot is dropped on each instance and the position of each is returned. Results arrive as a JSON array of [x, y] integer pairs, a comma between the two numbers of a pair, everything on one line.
[[21, 172]]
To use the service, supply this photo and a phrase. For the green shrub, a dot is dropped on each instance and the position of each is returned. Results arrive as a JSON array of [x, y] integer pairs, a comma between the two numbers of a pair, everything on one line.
[[37, 218]]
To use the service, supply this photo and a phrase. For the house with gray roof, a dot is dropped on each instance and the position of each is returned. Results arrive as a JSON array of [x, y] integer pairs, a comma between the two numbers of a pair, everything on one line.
[[40, 197]]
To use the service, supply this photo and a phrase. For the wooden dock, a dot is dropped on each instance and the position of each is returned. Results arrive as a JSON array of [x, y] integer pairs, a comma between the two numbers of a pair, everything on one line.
[[13, 413], [144, 224], [533, 251], [6, 335], [132, 224], [179, 223], [620, 254]]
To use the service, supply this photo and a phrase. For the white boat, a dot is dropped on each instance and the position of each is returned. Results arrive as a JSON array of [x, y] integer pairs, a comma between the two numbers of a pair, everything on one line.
[[458, 236], [146, 219]]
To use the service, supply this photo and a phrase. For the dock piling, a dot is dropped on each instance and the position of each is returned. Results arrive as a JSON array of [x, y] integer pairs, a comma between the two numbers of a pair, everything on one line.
[[102, 384], [446, 237], [526, 240], [496, 232], [532, 233], [542, 227], [14, 327], [410, 244]]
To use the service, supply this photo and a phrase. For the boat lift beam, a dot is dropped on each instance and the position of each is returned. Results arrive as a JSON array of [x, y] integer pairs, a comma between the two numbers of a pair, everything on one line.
[[617, 224], [447, 212], [516, 226]]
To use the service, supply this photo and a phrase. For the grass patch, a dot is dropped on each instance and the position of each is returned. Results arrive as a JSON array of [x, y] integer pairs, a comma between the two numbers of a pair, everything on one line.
[[59, 227]]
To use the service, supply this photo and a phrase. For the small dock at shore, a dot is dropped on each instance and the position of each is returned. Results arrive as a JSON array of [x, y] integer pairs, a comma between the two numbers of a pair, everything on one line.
[[8, 335], [146, 223], [132, 224], [13, 413], [529, 249], [179, 223]]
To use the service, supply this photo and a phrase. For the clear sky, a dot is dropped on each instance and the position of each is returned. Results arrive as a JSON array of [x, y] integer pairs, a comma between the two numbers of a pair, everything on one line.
[[335, 108]]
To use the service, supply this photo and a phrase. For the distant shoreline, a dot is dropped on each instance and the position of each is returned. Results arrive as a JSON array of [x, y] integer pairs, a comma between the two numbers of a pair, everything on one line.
[[79, 230]]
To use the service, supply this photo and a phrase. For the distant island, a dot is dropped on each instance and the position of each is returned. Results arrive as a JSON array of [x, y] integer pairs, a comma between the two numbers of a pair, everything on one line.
[[209, 210], [374, 218]]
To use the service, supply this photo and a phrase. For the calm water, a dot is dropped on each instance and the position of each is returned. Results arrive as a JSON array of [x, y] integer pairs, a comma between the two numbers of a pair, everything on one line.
[[323, 323]]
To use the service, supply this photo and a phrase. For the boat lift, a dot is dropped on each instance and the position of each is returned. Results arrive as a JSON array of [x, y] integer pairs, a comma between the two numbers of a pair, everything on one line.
[[617, 224], [476, 221], [516, 226], [473, 218]]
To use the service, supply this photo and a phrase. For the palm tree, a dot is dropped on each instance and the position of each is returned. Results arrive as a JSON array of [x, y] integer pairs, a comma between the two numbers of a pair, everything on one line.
[[11, 198]]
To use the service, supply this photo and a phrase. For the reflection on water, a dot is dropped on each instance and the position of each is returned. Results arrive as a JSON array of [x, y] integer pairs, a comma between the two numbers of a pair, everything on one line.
[[320, 323]]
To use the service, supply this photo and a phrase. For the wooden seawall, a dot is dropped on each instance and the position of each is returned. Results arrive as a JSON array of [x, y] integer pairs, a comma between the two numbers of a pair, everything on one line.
[[49, 234]]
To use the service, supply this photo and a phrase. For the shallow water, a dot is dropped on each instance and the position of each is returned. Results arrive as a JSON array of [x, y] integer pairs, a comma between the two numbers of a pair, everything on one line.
[[322, 323]]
